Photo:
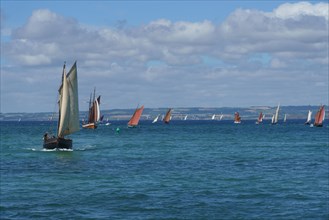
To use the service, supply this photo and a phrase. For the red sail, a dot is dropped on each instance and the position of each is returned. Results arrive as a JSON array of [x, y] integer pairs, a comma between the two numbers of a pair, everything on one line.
[[136, 116], [260, 118], [167, 117], [319, 117]]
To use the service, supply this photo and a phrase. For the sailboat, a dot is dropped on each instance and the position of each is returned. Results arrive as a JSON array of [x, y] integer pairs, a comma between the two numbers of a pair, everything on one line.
[[309, 117], [133, 122], [319, 117], [213, 117], [276, 116], [260, 118], [156, 119], [68, 121], [185, 118], [167, 117], [221, 117], [285, 118], [94, 114], [237, 118]]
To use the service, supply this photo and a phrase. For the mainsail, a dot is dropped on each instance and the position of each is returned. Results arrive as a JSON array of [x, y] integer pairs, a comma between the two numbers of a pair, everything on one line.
[[68, 103], [260, 118], [319, 117], [309, 117], [133, 122], [276, 116], [156, 119], [167, 118]]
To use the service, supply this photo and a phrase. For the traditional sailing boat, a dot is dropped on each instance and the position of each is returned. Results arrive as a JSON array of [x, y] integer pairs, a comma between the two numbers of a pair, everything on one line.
[[237, 118], [309, 117], [156, 119], [68, 121], [319, 117], [94, 114], [260, 118], [167, 117], [275, 118], [133, 122]]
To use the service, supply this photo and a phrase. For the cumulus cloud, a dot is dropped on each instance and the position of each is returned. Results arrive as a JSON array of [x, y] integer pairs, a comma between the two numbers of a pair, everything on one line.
[[248, 46]]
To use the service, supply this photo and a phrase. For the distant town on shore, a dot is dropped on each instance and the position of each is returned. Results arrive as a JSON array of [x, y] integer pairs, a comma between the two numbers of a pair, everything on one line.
[[193, 113]]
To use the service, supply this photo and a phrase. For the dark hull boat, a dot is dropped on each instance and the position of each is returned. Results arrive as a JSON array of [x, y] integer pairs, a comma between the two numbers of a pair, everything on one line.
[[167, 117], [319, 117], [68, 121], [94, 115], [54, 143]]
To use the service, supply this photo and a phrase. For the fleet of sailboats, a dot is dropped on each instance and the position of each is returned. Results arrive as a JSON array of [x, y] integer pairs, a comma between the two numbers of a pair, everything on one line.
[[68, 121], [134, 120], [94, 114]]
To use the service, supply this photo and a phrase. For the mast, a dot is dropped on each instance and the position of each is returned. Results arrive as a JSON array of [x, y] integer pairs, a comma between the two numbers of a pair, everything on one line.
[[60, 97]]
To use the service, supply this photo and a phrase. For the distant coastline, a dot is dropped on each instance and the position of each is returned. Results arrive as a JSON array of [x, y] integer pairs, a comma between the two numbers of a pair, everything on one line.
[[194, 113]]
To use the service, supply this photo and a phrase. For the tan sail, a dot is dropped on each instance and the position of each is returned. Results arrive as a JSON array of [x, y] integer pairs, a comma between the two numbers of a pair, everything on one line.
[[167, 118], [68, 103], [319, 117]]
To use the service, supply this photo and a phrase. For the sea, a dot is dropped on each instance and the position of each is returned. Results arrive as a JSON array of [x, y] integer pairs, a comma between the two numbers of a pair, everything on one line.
[[182, 170]]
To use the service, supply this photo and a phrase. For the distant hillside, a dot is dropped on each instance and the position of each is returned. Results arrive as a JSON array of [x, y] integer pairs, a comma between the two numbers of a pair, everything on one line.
[[194, 113]]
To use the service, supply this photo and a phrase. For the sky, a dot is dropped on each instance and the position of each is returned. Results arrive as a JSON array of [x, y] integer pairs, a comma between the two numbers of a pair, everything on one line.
[[165, 53]]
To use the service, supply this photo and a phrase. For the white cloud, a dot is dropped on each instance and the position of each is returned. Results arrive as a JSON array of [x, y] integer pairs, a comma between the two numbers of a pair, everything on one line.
[[294, 38]]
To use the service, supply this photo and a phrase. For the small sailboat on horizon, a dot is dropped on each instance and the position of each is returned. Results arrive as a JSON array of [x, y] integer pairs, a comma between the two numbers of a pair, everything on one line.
[[237, 118], [275, 117], [94, 114], [309, 118], [134, 120], [68, 121], [319, 117], [167, 117], [260, 118], [156, 119]]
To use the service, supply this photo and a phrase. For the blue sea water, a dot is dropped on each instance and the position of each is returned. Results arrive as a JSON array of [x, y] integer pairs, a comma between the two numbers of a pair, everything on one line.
[[184, 170]]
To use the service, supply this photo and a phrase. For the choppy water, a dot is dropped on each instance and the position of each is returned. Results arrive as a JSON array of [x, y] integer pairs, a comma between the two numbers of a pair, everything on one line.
[[184, 170]]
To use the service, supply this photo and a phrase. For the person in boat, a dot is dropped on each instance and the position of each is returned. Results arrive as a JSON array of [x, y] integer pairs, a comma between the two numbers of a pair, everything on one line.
[[45, 136]]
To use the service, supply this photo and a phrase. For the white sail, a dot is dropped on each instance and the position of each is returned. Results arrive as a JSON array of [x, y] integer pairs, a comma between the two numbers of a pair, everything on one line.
[[156, 119], [68, 103], [185, 117], [273, 117], [98, 111], [276, 117], [285, 118], [213, 117], [221, 117], [309, 116]]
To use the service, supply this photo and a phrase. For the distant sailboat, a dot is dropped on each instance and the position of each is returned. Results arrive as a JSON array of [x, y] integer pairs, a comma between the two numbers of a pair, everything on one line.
[[213, 117], [94, 114], [68, 121], [221, 117], [285, 118], [237, 118], [260, 118], [319, 117], [167, 117], [309, 117], [276, 116], [185, 118], [156, 119], [133, 122]]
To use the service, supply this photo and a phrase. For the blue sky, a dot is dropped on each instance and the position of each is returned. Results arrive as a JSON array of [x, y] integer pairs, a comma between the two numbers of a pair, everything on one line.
[[165, 53]]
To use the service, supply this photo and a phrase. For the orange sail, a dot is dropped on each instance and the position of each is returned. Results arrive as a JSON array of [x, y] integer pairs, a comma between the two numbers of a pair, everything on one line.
[[237, 118], [167, 117], [133, 122], [319, 117]]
